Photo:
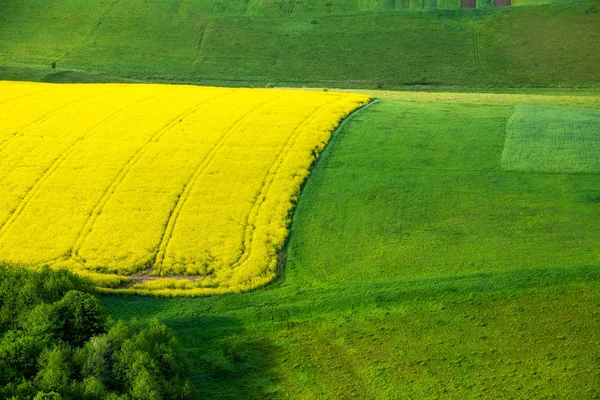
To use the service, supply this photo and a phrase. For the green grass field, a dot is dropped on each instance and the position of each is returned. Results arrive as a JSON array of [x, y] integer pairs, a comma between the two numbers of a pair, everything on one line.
[[418, 266], [514, 335], [416, 190], [551, 45]]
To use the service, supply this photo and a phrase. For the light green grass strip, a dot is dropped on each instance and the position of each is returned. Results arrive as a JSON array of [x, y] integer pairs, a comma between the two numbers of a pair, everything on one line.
[[552, 139]]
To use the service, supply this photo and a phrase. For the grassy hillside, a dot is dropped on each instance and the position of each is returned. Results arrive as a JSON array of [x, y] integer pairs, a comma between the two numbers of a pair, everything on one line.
[[225, 43], [516, 335], [417, 265]]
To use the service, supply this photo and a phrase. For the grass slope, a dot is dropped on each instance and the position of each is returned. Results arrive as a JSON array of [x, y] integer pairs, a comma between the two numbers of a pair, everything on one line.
[[516, 334], [417, 267], [557, 44]]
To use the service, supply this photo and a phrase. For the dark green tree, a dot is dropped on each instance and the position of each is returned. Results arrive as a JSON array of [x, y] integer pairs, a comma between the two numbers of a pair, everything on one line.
[[80, 317]]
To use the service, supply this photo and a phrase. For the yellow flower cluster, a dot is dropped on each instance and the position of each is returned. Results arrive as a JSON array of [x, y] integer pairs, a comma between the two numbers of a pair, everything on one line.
[[168, 189]]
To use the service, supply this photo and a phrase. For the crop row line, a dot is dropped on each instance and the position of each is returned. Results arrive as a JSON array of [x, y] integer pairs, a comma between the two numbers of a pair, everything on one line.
[[189, 185], [19, 97], [56, 164], [248, 236], [123, 172], [40, 120]]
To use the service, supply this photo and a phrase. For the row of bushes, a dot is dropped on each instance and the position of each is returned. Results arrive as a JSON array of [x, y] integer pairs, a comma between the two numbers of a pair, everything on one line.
[[57, 343]]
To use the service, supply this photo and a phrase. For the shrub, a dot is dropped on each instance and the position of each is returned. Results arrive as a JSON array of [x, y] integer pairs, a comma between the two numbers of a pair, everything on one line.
[[18, 356], [55, 345], [55, 371]]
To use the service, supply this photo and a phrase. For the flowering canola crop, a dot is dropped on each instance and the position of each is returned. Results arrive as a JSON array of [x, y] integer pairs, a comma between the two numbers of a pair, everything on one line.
[[155, 188]]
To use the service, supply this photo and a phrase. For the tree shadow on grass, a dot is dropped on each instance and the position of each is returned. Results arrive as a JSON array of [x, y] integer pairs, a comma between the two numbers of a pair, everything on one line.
[[227, 360]]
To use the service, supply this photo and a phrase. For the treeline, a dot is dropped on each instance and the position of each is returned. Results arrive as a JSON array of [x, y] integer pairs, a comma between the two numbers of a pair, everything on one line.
[[56, 342]]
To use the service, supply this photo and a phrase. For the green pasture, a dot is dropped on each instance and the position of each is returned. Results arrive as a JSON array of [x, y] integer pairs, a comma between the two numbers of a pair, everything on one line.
[[417, 267], [333, 43]]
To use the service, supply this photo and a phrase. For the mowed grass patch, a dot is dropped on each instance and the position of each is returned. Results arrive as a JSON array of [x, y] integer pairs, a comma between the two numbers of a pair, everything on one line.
[[551, 139], [157, 180]]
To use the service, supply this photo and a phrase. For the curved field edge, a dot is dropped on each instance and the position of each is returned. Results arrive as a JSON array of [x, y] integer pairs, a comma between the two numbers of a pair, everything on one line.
[[182, 286], [307, 130]]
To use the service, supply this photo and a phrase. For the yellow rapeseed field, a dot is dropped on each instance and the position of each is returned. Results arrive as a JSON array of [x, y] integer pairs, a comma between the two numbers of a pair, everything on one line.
[[157, 188]]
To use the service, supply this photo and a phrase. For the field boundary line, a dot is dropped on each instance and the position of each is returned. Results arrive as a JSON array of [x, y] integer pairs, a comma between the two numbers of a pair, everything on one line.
[[189, 185], [123, 172], [56, 164], [476, 55], [335, 137], [42, 119], [248, 236]]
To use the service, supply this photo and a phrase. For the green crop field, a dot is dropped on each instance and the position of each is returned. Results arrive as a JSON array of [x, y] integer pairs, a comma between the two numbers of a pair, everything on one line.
[[422, 193], [447, 241]]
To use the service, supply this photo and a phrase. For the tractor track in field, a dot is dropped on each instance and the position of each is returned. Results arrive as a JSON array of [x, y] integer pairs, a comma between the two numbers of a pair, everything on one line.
[[200, 43], [189, 185], [19, 97], [258, 201], [61, 55], [123, 172], [40, 120], [476, 53], [293, 6], [103, 17], [248, 233], [56, 164], [145, 276], [248, 236]]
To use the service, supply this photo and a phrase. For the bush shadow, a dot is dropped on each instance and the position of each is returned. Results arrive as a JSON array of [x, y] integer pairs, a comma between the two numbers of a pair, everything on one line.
[[227, 360]]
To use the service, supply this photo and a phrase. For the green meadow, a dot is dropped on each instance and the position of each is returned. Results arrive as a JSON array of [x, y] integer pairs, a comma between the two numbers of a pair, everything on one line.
[[447, 242], [342, 44]]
